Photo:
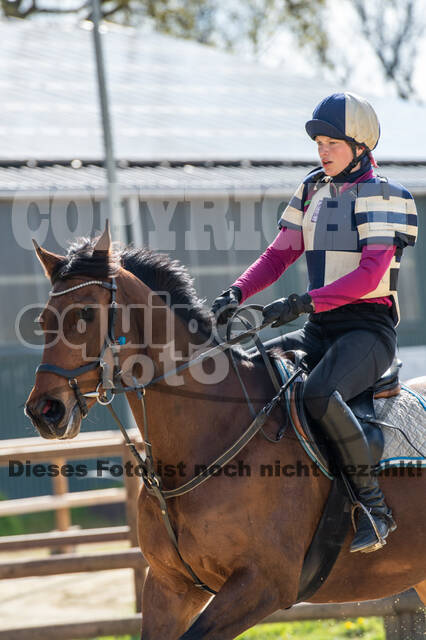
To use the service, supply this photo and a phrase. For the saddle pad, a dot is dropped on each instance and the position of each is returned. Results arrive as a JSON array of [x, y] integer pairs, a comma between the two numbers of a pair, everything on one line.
[[406, 412]]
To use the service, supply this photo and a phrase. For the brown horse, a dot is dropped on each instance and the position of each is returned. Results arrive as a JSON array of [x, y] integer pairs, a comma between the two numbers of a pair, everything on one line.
[[244, 532]]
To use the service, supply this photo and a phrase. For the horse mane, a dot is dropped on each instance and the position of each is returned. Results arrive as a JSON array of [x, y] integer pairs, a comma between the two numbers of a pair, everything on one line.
[[157, 270], [163, 274]]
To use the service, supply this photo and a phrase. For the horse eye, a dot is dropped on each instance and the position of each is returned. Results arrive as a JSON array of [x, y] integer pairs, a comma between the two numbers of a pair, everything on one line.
[[87, 314]]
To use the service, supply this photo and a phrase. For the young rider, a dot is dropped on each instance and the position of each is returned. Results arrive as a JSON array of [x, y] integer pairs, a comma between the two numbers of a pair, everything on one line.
[[352, 227]]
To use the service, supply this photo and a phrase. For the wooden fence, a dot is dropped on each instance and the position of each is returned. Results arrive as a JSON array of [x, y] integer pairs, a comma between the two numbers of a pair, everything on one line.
[[404, 615], [89, 445]]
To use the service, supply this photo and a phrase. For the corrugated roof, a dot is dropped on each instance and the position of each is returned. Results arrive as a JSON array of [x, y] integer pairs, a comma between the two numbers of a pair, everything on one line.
[[171, 99], [158, 180]]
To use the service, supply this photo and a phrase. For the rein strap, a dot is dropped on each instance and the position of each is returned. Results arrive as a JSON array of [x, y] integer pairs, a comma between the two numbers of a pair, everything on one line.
[[230, 453]]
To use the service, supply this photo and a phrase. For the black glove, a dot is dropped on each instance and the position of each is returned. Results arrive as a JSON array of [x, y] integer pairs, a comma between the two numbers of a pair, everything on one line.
[[226, 304], [287, 309]]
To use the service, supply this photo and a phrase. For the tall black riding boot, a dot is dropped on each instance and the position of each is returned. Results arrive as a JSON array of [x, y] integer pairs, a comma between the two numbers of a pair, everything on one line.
[[353, 455]]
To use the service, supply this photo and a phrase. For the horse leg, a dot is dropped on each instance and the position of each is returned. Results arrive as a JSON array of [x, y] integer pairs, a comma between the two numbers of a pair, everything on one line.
[[166, 612], [246, 598], [421, 591]]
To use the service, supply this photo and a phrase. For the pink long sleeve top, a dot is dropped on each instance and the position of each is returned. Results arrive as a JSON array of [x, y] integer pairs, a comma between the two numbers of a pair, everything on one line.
[[288, 247]]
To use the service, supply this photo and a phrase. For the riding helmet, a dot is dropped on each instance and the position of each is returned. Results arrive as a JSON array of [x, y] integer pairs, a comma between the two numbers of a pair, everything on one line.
[[345, 116]]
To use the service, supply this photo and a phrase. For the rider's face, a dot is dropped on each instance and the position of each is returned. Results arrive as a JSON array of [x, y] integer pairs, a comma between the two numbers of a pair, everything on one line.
[[334, 154]]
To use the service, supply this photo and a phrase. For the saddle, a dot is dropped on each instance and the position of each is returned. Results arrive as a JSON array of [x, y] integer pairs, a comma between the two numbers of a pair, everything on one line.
[[308, 430]]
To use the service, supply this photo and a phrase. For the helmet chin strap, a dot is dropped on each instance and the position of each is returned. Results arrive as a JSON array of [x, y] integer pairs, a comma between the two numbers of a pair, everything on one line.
[[355, 160]]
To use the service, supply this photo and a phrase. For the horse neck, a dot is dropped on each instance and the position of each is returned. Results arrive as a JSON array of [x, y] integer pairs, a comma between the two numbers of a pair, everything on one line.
[[191, 424], [194, 416]]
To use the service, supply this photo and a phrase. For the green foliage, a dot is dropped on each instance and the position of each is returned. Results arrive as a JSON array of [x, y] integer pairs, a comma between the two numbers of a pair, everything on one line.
[[364, 628], [193, 19], [84, 517], [118, 638], [28, 523]]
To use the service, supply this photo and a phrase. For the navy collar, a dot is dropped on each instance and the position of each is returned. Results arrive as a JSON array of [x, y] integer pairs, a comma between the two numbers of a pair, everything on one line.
[[352, 177]]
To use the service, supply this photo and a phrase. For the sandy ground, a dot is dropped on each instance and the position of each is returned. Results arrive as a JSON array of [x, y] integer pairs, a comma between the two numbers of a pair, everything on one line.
[[76, 597]]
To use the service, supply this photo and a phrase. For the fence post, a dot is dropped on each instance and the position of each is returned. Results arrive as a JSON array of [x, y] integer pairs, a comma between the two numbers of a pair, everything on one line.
[[405, 625], [62, 515], [133, 485]]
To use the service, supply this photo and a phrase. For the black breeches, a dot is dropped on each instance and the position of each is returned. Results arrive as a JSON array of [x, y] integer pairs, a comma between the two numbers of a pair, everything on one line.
[[348, 350]]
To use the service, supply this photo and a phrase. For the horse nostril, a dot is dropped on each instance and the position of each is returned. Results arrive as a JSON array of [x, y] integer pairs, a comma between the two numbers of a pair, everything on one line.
[[29, 412], [52, 410]]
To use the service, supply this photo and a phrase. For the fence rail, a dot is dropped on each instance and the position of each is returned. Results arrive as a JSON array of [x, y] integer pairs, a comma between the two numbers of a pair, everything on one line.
[[66, 501], [89, 445], [59, 538], [73, 563]]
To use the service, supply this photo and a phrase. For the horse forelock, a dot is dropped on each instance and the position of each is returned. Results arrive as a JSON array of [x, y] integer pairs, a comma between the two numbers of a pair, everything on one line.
[[81, 260]]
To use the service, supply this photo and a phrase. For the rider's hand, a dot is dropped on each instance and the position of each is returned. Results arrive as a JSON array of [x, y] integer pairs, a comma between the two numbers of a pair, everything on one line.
[[225, 305], [285, 310]]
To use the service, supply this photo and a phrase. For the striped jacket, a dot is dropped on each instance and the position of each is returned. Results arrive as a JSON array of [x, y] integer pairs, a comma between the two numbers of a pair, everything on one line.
[[336, 224]]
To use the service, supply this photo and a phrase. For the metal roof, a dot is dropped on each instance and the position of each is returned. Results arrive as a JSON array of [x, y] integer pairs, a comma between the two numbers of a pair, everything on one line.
[[171, 99], [156, 181]]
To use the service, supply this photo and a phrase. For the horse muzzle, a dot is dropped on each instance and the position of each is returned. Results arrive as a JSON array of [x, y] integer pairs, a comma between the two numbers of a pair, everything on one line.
[[52, 419]]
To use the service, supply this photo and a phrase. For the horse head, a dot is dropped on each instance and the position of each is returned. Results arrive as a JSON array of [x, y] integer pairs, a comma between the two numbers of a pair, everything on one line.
[[75, 325], [110, 318]]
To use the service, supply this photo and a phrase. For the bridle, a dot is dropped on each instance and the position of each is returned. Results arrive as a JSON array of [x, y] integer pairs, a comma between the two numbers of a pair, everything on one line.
[[109, 343], [150, 478]]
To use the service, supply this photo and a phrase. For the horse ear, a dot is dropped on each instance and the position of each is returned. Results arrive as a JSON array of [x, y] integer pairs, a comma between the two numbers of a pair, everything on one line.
[[49, 261], [104, 242]]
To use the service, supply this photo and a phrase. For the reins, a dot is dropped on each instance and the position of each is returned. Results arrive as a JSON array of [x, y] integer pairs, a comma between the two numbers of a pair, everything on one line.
[[152, 481]]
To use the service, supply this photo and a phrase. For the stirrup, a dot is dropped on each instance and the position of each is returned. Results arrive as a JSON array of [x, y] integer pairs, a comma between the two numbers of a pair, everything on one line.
[[380, 540]]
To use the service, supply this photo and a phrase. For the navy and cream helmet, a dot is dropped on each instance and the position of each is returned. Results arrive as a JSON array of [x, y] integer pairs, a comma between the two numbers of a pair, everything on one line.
[[345, 116]]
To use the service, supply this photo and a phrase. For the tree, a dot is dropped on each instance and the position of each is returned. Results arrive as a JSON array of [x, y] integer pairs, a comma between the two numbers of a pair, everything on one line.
[[393, 29], [228, 24], [170, 15]]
